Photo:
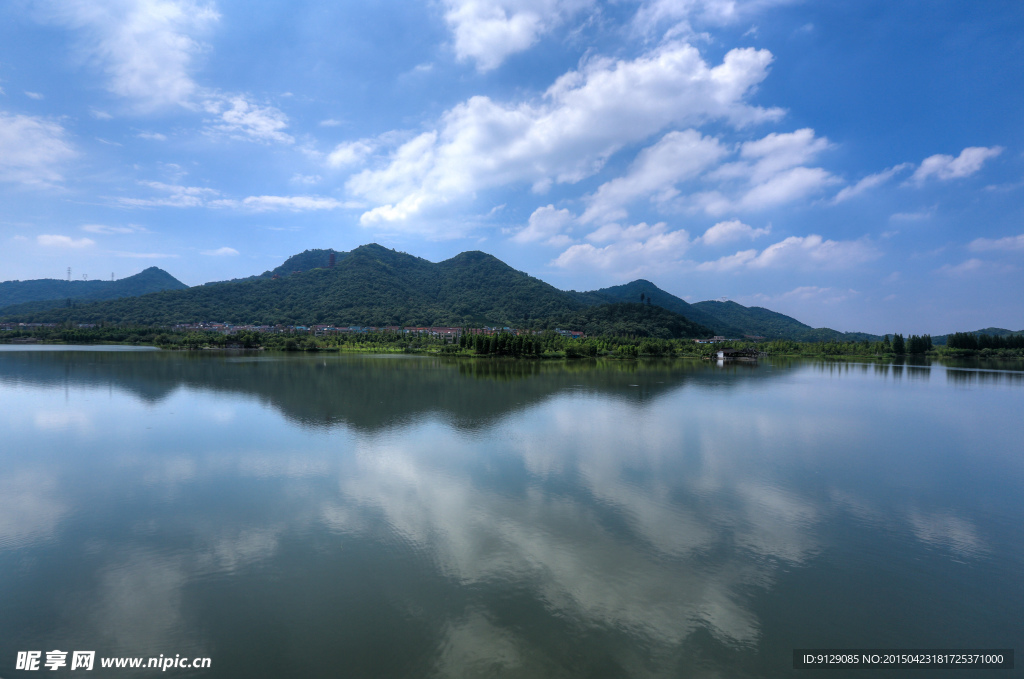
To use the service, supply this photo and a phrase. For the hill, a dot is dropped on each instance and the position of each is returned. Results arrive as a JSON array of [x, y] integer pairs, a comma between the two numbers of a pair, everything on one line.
[[634, 319], [371, 285], [991, 332], [630, 292], [306, 261], [18, 297]]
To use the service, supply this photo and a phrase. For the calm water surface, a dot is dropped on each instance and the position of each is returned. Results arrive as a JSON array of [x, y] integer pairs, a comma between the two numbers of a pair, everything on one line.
[[360, 516]]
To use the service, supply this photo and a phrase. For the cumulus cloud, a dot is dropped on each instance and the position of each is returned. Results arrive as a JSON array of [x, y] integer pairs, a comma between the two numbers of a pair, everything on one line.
[[33, 151], [220, 252], [145, 48], [769, 172], [678, 156], [638, 248], [731, 231], [798, 252], [350, 153], [488, 31], [51, 241], [1001, 244], [240, 118], [945, 167], [546, 225], [583, 118], [680, 17], [870, 182]]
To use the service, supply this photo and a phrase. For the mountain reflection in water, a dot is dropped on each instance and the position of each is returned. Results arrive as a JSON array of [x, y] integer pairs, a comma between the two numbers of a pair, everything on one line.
[[414, 516]]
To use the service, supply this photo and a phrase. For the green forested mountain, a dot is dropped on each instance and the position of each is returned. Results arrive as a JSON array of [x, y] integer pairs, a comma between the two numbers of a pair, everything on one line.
[[307, 260], [754, 320], [630, 292], [50, 292], [991, 332], [369, 286], [633, 319], [773, 325], [372, 285]]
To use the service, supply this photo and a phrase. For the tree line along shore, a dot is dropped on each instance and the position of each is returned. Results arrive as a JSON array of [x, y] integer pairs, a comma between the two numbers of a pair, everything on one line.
[[545, 344]]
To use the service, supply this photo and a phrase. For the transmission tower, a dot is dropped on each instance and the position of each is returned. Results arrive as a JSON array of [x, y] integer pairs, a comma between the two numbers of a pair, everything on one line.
[[85, 277], [69, 274], [111, 276]]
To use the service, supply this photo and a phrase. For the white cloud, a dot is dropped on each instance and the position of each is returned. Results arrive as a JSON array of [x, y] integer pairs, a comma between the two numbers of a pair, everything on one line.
[[100, 115], [294, 203], [809, 293], [728, 232], [33, 95], [32, 150], [946, 167], [488, 31], [770, 172], [547, 225], [678, 156], [220, 252], [111, 230], [870, 182], [654, 15], [240, 118], [331, 122], [308, 180], [154, 136], [145, 48], [1001, 244], [177, 196], [637, 249], [51, 241], [912, 216], [583, 118], [798, 252], [964, 268], [350, 153], [815, 251]]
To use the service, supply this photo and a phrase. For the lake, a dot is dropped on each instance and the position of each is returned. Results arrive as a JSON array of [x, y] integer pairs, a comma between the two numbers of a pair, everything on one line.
[[410, 516]]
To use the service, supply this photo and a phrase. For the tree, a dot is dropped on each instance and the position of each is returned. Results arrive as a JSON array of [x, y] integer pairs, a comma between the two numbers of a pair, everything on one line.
[[898, 344]]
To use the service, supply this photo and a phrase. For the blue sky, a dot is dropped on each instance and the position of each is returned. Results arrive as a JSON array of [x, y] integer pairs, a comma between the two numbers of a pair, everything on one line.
[[857, 165]]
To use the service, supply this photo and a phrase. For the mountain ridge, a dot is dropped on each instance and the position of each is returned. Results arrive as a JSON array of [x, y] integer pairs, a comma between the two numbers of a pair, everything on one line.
[[39, 294], [375, 285]]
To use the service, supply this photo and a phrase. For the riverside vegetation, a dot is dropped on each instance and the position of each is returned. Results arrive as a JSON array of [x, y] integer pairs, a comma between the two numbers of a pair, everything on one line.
[[546, 344], [375, 286]]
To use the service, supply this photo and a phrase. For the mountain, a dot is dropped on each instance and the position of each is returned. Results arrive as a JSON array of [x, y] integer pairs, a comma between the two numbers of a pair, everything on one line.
[[371, 285], [306, 261], [992, 332], [636, 319], [630, 292], [754, 320], [21, 297]]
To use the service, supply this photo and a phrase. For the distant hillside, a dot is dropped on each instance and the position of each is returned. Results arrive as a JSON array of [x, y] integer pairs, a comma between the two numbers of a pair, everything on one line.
[[633, 319], [754, 320], [306, 261], [371, 285], [630, 292], [993, 332], [17, 297]]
